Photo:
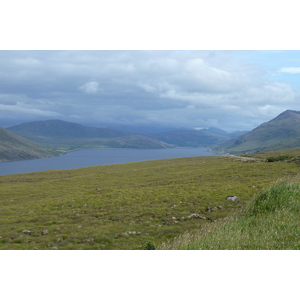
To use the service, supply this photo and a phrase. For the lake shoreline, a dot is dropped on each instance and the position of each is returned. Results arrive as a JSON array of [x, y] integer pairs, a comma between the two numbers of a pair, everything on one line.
[[93, 157]]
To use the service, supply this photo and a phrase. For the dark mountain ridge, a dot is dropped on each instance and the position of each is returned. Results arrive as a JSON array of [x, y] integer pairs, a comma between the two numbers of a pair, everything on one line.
[[66, 135], [69, 136], [13, 147], [63, 129], [282, 132]]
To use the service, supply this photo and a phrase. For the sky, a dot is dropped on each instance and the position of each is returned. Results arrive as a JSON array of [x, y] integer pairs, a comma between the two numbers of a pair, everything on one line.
[[230, 64], [230, 89]]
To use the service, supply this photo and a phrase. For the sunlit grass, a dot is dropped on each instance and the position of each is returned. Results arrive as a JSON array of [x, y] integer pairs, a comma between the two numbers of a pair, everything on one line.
[[269, 222], [127, 206]]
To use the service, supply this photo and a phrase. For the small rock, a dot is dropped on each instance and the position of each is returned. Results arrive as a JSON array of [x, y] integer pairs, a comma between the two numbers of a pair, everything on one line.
[[208, 209], [233, 198], [89, 240], [174, 218], [133, 232], [85, 205], [220, 207], [26, 232], [45, 231], [195, 216]]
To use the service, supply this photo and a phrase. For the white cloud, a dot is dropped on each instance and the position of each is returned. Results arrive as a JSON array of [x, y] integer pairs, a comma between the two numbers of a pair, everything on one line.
[[147, 87], [27, 62], [291, 70], [91, 87]]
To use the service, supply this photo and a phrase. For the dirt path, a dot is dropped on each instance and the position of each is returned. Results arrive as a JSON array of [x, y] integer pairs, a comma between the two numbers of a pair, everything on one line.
[[242, 158]]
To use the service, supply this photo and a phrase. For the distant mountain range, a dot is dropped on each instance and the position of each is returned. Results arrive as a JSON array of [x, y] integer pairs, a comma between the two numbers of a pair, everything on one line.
[[65, 135], [13, 147], [69, 136], [283, 132], [33, 139], [195, 138], [191, 138]]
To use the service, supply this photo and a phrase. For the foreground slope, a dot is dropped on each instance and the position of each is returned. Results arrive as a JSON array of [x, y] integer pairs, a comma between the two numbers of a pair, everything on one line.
[[127, 206], [270, 222], [70, 136], [13, 147], [283, 132]]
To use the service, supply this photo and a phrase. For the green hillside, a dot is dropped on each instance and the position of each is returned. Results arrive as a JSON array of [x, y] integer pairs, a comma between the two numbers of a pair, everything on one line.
[[13, 147], [283, 132], [69, 136], [134, 205]]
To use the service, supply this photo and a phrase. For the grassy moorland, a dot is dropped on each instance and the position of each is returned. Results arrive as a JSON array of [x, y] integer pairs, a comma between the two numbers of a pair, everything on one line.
[[130, 206], [269, 222]]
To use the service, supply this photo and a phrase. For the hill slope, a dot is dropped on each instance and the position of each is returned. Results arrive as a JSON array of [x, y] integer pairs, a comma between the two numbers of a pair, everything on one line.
[[130, 206], [13, 147], [270, 222], [125, 206], [283, 132], [69, 136]]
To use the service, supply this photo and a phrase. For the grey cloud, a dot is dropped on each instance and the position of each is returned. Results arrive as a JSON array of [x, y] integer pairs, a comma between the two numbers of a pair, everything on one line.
[[91, 87], [186, 88]]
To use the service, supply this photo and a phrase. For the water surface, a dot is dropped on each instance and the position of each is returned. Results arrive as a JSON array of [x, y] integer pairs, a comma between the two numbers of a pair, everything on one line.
[[95, 157]]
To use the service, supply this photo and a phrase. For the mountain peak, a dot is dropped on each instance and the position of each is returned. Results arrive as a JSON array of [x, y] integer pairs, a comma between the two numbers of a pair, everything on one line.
[[282, 132], [287, 114]]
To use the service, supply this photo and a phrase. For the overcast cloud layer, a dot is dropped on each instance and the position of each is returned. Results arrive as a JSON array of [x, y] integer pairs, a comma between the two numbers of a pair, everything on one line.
[[232, 90]]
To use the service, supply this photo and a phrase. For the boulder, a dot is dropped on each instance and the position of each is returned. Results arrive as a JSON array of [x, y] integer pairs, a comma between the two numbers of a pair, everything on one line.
[[233, 198], [195, 216], [26, 232], [45, 231]]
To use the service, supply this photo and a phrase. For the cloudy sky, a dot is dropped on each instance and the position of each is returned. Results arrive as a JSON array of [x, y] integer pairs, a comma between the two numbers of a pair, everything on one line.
[[232, 90]]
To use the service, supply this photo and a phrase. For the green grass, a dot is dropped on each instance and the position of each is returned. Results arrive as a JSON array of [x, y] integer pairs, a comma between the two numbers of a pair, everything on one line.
[[269, 222], [127, 206]]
